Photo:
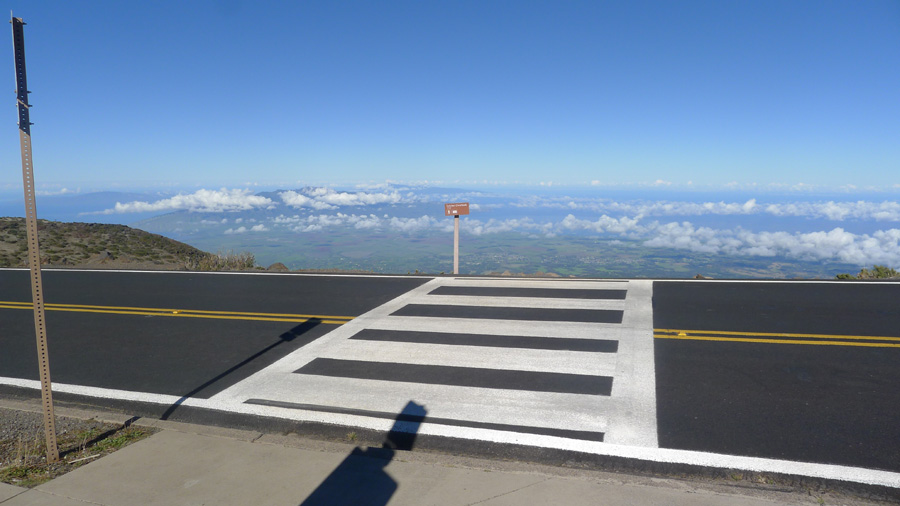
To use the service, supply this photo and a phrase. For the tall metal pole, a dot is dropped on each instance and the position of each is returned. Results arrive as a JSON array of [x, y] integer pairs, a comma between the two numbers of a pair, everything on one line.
[[34, 255], [456, 244]]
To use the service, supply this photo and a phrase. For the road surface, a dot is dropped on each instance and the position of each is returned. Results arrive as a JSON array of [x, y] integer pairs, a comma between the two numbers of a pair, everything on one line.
[[784, 377]]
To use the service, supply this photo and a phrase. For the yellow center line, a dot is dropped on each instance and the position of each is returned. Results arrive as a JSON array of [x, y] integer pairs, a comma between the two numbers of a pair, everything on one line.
[[765, 337], [775, 334], [183, 313]]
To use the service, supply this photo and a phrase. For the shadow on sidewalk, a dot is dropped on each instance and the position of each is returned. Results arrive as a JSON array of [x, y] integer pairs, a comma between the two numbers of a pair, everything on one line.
[[360, 479], [283, 338]]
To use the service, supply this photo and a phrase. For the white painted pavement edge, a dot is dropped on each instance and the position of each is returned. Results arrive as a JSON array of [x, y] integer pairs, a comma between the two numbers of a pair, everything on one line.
[[634, 387], [662, 455], [475, 278]]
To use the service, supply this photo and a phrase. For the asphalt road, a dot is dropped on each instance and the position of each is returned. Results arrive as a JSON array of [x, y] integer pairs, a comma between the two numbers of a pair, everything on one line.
[[798, 372], [182, 356], [830, 403]]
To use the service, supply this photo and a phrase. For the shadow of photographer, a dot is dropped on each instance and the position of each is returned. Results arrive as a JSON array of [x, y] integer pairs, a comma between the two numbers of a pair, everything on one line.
[[360, 479]]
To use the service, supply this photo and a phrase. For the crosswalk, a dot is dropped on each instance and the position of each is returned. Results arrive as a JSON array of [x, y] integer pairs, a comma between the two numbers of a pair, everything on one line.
[[558, 363]]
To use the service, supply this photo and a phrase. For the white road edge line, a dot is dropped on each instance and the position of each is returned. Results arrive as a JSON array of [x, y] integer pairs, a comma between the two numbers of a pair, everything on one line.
[[660, 455], [463, 278]]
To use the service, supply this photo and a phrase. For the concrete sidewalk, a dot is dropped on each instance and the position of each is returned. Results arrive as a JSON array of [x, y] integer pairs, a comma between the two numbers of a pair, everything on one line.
[[191, 464]]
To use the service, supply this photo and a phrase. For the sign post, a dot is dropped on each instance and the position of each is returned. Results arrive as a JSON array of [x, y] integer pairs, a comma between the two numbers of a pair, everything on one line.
[[456, 210], [34, 256]]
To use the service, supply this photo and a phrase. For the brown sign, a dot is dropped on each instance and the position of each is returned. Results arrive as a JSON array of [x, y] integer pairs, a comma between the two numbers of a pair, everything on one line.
[[456, 209]]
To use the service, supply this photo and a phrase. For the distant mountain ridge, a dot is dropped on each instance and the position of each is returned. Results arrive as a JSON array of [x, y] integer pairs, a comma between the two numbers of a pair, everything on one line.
[[95, 245]]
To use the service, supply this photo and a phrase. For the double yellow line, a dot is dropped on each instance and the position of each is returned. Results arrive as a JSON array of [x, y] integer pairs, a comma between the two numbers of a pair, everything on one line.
[[184, 313], [778, 338]]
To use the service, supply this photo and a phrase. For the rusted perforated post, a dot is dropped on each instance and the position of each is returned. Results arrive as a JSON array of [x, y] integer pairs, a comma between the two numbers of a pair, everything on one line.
[[34, 255]]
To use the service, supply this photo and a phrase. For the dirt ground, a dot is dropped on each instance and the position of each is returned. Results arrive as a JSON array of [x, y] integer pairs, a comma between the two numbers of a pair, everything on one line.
[[23, 449]]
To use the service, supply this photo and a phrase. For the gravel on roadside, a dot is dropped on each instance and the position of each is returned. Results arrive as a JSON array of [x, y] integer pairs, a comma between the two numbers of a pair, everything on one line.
[[23, 450]]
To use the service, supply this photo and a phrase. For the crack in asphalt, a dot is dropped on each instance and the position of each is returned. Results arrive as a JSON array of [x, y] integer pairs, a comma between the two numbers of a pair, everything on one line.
[[510, 492]]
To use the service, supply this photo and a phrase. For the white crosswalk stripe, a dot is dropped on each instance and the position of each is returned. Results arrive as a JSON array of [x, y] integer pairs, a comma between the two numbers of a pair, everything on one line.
[[572, 362], [533, 376]]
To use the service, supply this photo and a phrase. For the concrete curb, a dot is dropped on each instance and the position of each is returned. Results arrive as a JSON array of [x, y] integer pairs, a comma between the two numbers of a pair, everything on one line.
[[435, 451]]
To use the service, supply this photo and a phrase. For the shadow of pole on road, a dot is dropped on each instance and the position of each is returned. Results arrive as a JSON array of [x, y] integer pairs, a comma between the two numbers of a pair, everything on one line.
[[283, 338]]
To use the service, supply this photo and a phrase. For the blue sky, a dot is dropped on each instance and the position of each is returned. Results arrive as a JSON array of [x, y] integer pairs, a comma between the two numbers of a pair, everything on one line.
[[227, 93]]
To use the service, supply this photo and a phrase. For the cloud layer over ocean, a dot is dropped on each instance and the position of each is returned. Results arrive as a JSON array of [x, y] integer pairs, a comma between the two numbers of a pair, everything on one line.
[[848, 229]]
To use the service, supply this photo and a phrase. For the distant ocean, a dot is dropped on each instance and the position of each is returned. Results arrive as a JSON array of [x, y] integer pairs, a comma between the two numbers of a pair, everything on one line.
[[837, 229]]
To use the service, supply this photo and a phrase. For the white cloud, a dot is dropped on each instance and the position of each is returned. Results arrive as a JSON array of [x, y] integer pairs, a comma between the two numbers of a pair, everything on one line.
[[604, 224], [244, 230], [478, 227], [365, 222], [326, 198], [282, 219], [685, 236], [319, 222], [835, 211], [61, 191], [408, 225], [664, 208], [207, 201], [421, 224], [360, 198], [839, 211], [295, 199], [881, 247], [639, 208]]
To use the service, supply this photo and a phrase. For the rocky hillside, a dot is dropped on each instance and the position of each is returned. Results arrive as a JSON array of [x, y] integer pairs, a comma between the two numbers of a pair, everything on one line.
[[97, 245]]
